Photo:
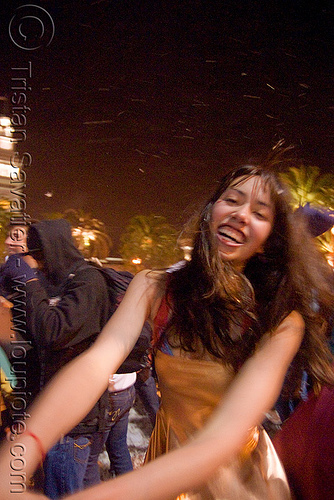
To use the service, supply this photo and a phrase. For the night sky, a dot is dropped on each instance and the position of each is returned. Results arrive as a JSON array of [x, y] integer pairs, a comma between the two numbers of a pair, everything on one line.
[[138, 107]]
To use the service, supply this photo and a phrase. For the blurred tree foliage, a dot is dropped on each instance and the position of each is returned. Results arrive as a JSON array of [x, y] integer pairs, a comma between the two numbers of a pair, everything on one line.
[[308, 185], [151, 241]]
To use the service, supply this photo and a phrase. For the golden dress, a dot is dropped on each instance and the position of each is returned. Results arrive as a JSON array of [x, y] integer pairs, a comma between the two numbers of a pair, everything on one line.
[[190, 390]]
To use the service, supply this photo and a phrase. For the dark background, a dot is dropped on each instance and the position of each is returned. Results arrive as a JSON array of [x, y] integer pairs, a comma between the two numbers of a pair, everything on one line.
[[138, 107]]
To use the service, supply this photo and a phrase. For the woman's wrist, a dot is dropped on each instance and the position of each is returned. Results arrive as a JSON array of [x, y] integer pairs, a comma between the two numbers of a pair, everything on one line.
[[38, 442]]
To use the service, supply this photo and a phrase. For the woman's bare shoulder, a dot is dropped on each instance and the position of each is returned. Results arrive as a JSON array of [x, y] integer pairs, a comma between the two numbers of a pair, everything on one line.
[[289, 331], [293, 322], [150, 274], [148, 278], [151, 285]]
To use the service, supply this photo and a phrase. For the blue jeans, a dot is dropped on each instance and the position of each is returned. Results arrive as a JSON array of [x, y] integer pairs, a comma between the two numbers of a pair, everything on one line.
[[146, 389], [65, 466], [92, 474], [116, 445]]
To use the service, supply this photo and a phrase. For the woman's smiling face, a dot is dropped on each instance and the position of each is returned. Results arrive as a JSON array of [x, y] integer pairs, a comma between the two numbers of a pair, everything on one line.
[[242, 219]]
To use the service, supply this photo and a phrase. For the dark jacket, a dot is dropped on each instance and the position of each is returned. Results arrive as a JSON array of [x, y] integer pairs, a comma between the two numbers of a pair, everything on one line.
[[81, 305]]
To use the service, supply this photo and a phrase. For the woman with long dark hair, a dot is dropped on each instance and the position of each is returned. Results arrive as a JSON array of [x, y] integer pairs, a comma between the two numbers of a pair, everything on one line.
[[227, 326]]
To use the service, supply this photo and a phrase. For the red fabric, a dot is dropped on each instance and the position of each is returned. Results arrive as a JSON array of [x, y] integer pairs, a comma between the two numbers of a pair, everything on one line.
[[306, 447], [160, 321]]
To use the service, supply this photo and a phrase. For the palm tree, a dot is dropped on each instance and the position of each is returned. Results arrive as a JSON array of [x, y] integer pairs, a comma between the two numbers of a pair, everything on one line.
[[149, 242], [89, 233], [308, 185]]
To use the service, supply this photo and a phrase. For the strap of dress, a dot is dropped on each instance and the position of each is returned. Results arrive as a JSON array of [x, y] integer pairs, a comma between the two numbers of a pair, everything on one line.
[[160, 321]]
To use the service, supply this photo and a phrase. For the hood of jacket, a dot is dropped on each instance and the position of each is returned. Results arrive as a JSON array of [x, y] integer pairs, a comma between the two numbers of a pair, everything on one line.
[[52, 241]]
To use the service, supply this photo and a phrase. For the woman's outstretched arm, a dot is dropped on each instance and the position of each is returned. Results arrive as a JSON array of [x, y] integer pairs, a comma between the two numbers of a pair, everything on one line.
[[254, 391], [76, 388]]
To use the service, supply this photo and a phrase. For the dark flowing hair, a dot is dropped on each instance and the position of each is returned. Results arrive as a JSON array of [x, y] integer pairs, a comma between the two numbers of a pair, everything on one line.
[[208, 298]]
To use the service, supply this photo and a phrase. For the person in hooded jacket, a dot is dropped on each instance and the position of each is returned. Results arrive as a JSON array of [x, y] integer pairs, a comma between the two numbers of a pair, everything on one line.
[[67, 305]]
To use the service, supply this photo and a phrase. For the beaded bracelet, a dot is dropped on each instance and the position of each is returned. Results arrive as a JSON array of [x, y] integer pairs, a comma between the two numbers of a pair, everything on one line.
[[39, 443]]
